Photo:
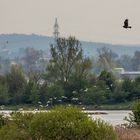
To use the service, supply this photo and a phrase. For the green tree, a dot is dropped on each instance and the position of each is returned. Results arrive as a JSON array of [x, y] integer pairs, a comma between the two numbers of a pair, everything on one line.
[[119, 95], [43, 93], [127, 87], [55, 90], [94, 96], [16, 82], [68, 63], [15, 79], [4, 95], [64, 54], [79, 80], [108, 78], [136, 88], [34, 94], [32, 90]]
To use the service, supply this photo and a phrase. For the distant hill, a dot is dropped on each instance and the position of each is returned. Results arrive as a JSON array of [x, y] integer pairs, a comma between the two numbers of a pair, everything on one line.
[[12, 44]]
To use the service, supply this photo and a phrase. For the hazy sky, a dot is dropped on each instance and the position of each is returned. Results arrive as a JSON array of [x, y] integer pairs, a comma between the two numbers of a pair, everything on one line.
[[91, 20]]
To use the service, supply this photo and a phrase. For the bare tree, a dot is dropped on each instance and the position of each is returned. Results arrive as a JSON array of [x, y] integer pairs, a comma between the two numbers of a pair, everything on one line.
[[106, 59]]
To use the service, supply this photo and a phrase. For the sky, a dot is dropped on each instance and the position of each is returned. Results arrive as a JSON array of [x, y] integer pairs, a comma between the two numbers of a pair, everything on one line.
[[89, 20]]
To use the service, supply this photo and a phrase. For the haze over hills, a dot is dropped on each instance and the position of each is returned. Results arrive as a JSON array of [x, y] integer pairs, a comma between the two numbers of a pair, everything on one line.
[[11, 45]]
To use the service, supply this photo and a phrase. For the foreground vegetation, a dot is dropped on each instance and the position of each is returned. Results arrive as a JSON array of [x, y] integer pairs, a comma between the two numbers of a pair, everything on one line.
[[62, 123], [127, 133], [66, 123], [132, 130]]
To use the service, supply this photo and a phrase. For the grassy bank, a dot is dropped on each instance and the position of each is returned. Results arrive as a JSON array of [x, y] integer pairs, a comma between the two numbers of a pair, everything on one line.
[[21, 106], [120, 106]]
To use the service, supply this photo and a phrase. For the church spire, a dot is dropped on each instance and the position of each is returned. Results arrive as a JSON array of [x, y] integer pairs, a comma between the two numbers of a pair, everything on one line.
[[56, 29]]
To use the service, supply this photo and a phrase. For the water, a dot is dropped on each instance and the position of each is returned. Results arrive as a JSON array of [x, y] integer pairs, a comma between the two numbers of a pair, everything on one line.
[[115, 117]]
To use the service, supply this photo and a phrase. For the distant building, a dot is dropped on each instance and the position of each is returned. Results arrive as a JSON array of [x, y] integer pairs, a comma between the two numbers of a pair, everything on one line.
[[56, 29], [121, 73]]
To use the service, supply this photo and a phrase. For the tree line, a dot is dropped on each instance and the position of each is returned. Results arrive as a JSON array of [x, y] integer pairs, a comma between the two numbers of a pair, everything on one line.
[[69, 78]]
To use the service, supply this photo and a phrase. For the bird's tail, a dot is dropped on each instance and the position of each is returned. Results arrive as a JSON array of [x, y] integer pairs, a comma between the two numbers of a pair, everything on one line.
[[129, 27]]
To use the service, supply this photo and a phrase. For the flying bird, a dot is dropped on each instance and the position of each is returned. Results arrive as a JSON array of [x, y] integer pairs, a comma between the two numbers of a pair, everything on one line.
[[126, 25]]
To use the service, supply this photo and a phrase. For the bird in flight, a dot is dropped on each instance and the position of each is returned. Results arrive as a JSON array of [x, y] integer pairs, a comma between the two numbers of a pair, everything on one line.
[[126, 25]]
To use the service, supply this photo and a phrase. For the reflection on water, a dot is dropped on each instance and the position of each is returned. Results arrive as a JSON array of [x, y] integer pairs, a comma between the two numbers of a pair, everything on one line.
[[115, 117]]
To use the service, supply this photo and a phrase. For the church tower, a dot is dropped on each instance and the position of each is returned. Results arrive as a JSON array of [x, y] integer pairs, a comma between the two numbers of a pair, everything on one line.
[[56, 29]]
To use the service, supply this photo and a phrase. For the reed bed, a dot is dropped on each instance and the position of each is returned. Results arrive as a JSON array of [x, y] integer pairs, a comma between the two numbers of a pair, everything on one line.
[[128, 133]]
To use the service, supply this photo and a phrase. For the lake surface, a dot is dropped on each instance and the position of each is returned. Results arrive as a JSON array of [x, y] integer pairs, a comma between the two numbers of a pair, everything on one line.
[[115, 117]]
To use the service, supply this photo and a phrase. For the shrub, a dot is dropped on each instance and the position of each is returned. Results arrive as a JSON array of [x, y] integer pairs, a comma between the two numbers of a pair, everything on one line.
[[68, 123], [61, 123], [3, 120], [136, 112], [12, 132], [134, 117], [17, 127]]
